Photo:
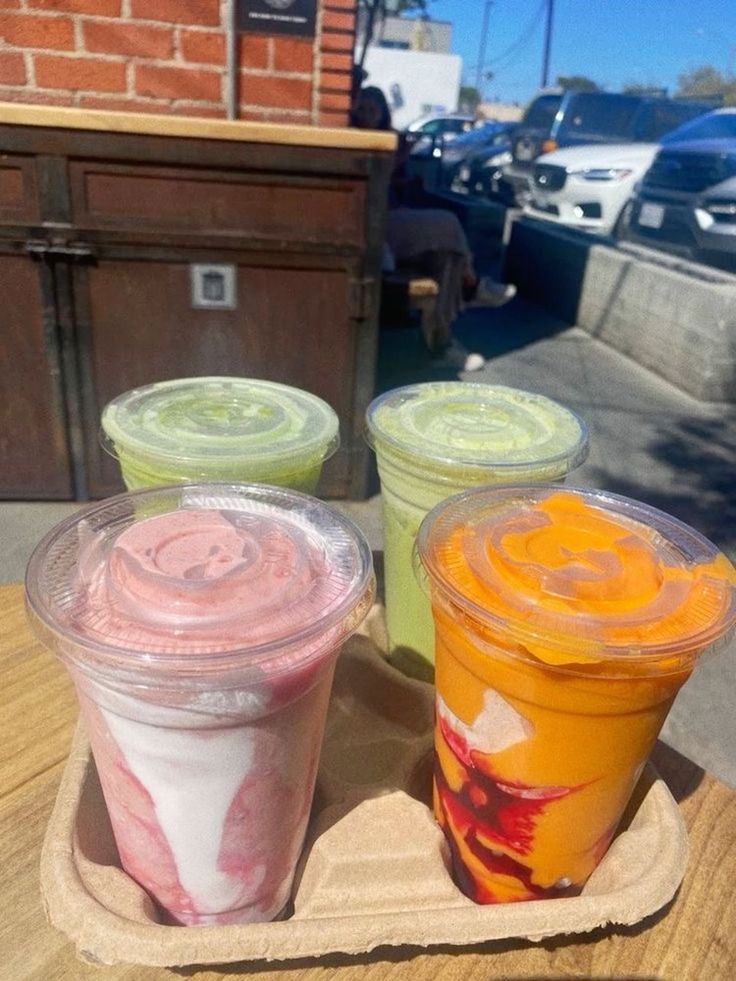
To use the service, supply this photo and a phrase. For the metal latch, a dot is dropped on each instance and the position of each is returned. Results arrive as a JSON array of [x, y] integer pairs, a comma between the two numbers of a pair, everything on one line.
[[43, 248]]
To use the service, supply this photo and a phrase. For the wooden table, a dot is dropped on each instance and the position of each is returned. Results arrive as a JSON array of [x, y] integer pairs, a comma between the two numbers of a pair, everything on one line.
[[695, 937]]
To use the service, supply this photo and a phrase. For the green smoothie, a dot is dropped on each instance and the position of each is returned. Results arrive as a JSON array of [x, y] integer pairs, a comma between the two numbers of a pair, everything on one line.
[[219, 428], [433, 440]]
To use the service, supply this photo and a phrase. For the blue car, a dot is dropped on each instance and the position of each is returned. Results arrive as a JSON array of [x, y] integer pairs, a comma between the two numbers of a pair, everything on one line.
[[686, 202]]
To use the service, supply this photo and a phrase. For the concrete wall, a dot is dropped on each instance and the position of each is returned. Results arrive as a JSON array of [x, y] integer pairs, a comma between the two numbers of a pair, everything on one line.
[[674, 317]]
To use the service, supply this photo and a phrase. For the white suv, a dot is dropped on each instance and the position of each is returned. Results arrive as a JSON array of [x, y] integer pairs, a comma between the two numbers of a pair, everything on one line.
[[588, 186]]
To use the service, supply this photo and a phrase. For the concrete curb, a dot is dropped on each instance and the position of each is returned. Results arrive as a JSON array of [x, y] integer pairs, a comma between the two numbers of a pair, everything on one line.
[[676, 318]]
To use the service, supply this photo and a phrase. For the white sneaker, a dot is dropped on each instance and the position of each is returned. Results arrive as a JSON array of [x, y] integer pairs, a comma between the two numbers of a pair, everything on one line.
[[491, 293], [474, 362], [460, 357]]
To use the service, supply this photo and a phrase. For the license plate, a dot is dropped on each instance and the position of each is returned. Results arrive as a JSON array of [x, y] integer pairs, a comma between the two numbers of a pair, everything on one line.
[[524, 151], [464, 173], [651, 215], [540, 201]]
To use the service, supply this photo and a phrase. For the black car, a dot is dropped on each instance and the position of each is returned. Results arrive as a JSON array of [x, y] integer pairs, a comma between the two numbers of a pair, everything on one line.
[[491, 139], [558, 119], [686, 202]]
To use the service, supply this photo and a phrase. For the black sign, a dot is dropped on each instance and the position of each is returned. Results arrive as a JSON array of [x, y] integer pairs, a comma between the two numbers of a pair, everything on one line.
[[277, 16]]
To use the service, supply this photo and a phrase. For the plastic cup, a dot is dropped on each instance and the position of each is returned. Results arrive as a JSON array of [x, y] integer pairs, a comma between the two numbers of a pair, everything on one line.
[[202, 642], [566, 622], [221, 429], [433, 440]]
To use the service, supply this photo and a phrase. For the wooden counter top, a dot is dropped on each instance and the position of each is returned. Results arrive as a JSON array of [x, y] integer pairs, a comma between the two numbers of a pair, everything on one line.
[[693, 938], [59, 117]]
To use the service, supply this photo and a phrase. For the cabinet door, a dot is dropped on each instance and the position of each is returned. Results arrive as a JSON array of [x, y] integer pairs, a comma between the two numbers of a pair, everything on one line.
[[34, 444], [136, 324]]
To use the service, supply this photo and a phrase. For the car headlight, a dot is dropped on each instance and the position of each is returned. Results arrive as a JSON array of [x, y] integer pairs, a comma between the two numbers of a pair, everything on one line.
[[603, 173], [499, 160], [721, 210]]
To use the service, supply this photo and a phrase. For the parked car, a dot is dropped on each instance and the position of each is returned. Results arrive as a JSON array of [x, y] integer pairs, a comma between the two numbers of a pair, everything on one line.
[[588, 187], [490, 138], [686, 202], [558, 119], [438, 128]]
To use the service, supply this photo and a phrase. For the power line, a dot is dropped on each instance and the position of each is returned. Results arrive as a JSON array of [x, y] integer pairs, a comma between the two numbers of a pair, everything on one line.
[[523, 39]]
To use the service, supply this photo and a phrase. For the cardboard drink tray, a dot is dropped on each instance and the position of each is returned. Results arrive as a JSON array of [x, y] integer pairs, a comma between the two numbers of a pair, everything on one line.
[[373, 871]]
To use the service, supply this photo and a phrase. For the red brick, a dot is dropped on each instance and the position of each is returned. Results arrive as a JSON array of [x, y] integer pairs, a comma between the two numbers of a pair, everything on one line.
[[178, 83], [332, 61], [79, 74], [337, 42], [115, 37], [339, 4], [253, 115], [335, 81], [206, 12], [114, 104], [9, 4], [35, 98], [203, 47], [333, 20], [195, 109], [292, 54], [106, 8], [281, 93], [334, 100], [34, 31], [12, 69], [253, 51], [298, 118], [328, 118]]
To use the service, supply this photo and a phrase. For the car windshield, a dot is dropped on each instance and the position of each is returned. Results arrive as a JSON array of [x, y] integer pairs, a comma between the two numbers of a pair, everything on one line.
[[661, 118], [542, 111], [714, 126], [595, 114], [488, 133]]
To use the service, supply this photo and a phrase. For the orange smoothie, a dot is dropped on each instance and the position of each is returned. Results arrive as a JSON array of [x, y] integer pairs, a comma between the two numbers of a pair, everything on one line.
[[566, 622]]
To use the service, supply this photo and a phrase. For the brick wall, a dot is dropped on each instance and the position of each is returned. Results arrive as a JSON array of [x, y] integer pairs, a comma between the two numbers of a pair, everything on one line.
[[168, 56]]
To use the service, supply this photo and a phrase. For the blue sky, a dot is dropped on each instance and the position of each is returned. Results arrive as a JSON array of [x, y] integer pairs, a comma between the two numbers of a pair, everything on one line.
[[611, 41]]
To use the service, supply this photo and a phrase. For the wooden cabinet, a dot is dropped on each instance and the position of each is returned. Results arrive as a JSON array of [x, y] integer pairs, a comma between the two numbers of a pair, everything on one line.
[[99, 232]]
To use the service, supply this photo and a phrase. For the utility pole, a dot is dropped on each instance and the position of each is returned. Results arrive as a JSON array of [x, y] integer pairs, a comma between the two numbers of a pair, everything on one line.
[[547, 41], [482, 49]]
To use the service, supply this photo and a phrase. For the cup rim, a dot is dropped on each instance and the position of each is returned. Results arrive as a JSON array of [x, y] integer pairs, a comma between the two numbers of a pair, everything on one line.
[[76, 645], [589, 650], [324, 444], [558, 464]]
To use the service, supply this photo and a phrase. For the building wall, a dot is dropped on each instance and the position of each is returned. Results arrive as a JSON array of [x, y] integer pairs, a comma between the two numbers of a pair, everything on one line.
[[168, 56], [414, 82]]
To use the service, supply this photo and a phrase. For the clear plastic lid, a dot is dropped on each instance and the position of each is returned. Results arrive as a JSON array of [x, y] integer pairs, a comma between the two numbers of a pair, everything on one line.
[[578, 575], [200, 577], [208, 420], [473, 425]]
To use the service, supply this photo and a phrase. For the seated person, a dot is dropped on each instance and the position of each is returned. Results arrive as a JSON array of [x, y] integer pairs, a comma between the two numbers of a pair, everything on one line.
[[430, 241]]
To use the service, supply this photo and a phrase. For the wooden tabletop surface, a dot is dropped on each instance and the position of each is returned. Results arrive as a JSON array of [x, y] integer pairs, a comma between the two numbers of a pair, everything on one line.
[[196, 127], [694, 937]]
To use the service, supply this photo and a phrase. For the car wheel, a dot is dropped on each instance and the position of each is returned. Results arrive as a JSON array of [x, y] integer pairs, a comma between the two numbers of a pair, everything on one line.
[[620, 230]]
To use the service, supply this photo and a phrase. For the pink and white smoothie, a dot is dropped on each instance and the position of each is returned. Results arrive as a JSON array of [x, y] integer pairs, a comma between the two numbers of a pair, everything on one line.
[[201, 626]]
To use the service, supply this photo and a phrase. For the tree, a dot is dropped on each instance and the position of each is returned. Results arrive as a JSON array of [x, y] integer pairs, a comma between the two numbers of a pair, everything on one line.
[[706, 81], [469, 98], [372, 12], [641, 88], [580, 82]]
